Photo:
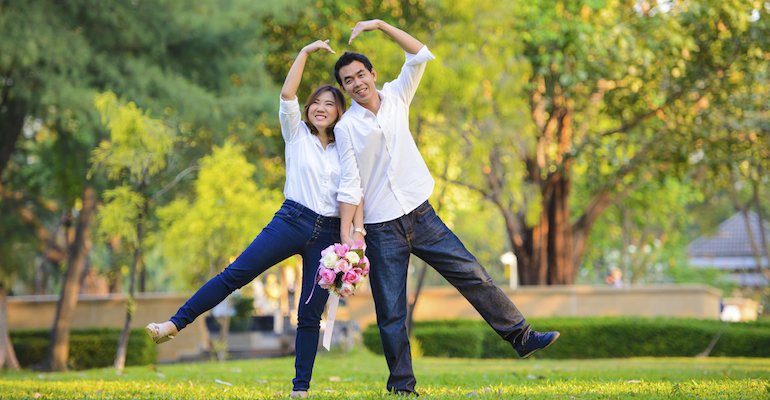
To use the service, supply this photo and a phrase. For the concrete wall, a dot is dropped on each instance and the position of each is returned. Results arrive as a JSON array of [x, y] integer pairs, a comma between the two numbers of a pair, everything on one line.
[[33, 312], [695, 301]]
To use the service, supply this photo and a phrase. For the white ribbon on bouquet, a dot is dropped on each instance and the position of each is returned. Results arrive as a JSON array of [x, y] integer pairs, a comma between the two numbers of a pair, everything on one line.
[[331, 314]]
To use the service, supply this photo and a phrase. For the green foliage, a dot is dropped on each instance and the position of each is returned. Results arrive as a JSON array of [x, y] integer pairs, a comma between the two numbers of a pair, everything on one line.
[[89, 348], [201, 236], [138, 144], [582, 338]]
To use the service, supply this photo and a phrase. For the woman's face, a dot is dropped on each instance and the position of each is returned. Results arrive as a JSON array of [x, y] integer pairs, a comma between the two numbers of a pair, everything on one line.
[[323, 111]]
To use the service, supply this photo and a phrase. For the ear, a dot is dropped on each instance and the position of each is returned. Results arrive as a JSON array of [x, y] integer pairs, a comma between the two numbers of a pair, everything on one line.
[[374, 75]]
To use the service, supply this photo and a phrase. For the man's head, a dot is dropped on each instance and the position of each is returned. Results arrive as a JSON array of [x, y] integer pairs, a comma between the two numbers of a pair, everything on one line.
[[356, 77]]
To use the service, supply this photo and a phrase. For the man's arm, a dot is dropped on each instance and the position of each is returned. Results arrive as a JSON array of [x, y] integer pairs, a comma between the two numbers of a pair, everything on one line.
[[405, 40], [351, 213]]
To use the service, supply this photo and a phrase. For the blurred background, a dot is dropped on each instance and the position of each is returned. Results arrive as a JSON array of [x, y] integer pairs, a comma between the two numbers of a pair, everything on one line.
[[595, 144]]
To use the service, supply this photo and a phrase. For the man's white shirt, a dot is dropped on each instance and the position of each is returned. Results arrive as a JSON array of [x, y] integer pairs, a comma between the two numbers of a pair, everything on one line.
[[312, 172], [380, 160]]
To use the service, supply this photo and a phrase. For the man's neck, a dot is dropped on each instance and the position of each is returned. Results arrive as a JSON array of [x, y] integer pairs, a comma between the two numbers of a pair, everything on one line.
[[374, 105]]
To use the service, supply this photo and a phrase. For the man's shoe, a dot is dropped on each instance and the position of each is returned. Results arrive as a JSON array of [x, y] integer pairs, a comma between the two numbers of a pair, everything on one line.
[[298, 394], [537, 341]]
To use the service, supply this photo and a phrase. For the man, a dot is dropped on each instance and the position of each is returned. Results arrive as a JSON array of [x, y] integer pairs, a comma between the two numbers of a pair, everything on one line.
[[381, 164]]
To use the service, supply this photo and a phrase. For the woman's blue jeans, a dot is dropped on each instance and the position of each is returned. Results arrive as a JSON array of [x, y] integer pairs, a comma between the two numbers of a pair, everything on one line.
[[295, 229], [422, 233]]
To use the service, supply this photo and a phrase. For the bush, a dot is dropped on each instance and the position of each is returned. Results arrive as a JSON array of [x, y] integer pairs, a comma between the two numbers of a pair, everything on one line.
[[605, 337], [89, 348]]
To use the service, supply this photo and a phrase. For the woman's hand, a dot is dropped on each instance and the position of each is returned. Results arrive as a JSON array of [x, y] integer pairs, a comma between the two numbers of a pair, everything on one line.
[[318, 45]]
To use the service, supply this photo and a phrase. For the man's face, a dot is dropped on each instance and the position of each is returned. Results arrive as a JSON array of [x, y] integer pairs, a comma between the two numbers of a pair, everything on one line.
[[358, 82]]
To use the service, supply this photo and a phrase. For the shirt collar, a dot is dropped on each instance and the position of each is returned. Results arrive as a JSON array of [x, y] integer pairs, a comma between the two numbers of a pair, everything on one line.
[[359, 110]]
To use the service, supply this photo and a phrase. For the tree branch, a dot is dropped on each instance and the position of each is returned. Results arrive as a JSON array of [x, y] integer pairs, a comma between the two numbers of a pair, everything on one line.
[[175, 181]]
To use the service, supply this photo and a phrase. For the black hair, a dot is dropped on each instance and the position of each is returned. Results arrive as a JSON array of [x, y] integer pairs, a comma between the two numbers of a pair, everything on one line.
[[347, 59]]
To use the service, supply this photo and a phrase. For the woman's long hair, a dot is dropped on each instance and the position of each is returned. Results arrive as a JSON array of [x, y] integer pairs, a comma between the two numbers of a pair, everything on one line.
[[339, 101]]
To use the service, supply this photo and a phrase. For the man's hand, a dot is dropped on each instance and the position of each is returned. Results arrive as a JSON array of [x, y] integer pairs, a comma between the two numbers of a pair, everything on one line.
[[363, 26], [318, 45]]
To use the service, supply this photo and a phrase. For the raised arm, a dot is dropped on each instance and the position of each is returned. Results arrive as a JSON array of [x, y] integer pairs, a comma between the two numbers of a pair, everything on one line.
[[294, 77], [405, 40]]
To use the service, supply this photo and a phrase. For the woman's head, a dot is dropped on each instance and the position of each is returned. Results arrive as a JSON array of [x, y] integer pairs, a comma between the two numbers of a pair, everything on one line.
[[323, 109]]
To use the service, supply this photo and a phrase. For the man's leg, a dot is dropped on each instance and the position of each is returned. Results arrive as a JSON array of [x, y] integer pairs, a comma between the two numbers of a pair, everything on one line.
[[388, 253], [438, 246]]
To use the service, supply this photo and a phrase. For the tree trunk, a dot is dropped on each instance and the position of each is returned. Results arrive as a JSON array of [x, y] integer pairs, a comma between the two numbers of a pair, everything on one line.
[[58, 350], [120, 357], [12, 114], [7, 354], [40, 275]]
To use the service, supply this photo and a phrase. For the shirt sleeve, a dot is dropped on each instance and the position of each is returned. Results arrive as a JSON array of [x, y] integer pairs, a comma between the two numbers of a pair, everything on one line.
[[290, 119], [350, 177], [411, 73]]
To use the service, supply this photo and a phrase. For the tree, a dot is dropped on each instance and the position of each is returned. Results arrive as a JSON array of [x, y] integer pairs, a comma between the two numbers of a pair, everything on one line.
[[136, 152], [200, 235], [58, 348], [613, 98]]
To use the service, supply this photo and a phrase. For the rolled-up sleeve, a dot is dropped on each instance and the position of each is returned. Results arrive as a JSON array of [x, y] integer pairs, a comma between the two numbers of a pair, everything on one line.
[[290, 118], [350, 177], [411, 73]]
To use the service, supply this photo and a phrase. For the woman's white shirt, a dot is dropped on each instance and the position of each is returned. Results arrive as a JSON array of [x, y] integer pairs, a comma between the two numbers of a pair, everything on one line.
[[312, 172]]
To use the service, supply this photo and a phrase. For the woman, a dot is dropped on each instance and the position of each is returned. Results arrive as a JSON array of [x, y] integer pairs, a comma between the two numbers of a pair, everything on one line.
[[307, 222]]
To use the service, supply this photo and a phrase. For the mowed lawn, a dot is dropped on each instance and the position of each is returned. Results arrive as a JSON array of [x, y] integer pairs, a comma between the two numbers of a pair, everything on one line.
[[362, 375]]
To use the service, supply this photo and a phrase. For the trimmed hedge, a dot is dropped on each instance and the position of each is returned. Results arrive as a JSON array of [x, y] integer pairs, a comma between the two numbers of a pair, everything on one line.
[[89, 348], [605, 337]]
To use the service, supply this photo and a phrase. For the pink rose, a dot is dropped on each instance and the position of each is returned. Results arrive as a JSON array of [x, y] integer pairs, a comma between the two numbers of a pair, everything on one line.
[[353, 276], [341, 249], [347, 290], [327, 278], [342, 266]]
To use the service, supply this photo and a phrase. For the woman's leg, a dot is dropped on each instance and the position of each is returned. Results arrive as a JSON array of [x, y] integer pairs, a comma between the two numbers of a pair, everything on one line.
[[283, 237], [309, 315]]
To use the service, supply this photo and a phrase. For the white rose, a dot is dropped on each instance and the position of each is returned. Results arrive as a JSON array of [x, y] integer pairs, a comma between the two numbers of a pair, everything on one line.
[[352, 258], [329, 260]]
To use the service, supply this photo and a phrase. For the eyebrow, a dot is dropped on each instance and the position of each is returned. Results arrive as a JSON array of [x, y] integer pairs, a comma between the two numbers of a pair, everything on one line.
[[349, 76]]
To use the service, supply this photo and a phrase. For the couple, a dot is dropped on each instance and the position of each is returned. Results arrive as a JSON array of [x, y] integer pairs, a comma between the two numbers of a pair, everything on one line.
[[335, 164]]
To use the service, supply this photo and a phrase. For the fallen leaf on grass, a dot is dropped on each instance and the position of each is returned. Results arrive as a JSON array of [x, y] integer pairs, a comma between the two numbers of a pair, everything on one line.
[[261, 381], [99, 391], [236, 370], [223, 382], [37, 395], [473, 393], [530, 376], [161, 375], [334, 379], [633, 381], [330, 391]]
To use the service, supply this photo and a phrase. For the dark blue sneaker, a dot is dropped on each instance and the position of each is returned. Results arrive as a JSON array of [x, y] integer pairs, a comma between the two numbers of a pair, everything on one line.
[[537, 341]]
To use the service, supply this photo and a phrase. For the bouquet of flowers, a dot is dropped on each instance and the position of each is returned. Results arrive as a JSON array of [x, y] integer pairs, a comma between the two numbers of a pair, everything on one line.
[[343, 268]]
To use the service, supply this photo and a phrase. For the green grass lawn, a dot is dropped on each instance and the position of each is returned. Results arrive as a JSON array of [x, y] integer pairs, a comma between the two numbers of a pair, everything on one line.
[[362, 375]]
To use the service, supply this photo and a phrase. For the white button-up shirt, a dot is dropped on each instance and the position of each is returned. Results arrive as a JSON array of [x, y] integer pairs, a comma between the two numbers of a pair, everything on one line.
[[380, 160], [312, 172]]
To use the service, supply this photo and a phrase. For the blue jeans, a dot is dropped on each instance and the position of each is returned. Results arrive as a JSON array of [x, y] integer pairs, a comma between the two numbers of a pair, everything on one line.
[[422, 233], [295, 229]]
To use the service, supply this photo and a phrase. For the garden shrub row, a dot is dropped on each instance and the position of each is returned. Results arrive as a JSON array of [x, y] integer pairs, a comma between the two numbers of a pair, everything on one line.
[[89, 348], [596, 337]]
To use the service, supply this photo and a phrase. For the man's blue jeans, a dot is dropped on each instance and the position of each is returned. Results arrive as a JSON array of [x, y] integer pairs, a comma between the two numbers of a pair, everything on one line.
[[295, 229], [422, 233]]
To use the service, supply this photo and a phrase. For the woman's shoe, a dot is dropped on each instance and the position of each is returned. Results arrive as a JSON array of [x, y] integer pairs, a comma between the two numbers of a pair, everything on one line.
[[298, 394], [158, 333]]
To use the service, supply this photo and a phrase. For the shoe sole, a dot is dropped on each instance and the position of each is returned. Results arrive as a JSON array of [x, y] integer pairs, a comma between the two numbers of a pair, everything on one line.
[[155, 339], [536, 350]]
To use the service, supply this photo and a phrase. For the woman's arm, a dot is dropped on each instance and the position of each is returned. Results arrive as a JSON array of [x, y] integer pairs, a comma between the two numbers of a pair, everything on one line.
[[289, 90]]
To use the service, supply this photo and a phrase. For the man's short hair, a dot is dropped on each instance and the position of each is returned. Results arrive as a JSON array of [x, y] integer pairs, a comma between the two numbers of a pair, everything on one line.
[[347, 59]]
